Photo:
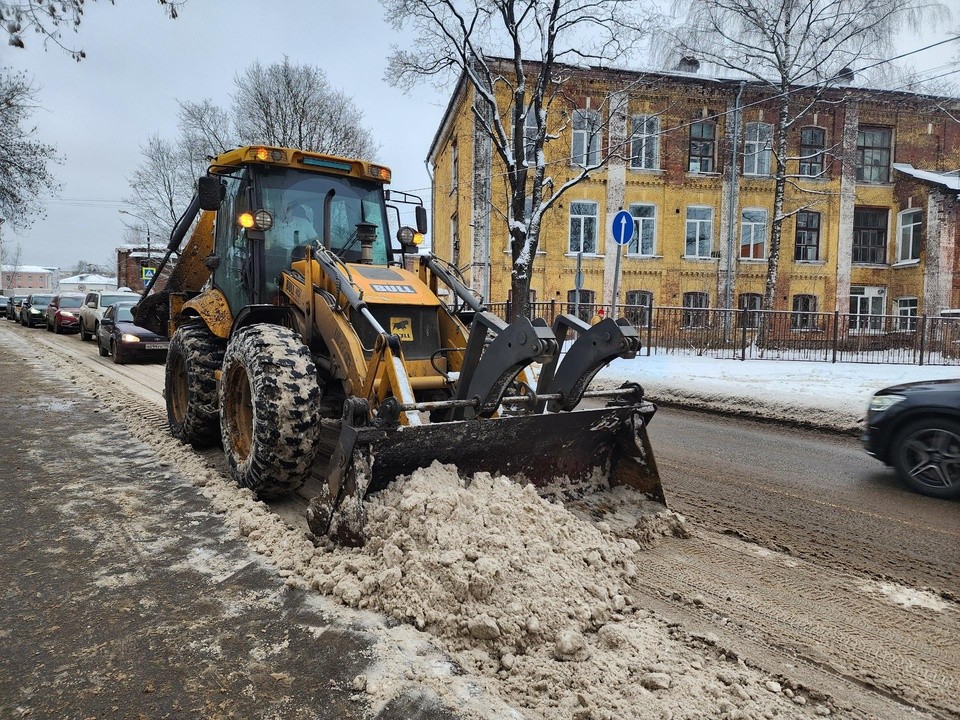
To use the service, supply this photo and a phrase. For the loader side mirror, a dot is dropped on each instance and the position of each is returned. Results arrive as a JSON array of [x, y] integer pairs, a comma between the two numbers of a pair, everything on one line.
[[210, 192], [421, 213]]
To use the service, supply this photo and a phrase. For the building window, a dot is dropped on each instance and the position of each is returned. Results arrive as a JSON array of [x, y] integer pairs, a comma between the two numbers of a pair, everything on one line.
[[749, 304], [645, 142], [869, 236], [585, 310], [753, 233], [905, 309], [637, 309], [873, 154], [812, 143], [695, 306], [583, 227], [530, 137], [866, 308], [702, 147], [699, 232], [807, 245], [909, 222], [454, 168], [644, 229], [804, 315], [756, 148], [586, 138]]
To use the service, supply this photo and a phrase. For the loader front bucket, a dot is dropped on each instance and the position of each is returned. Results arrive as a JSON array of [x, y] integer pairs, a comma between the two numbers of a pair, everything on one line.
[[568, 449]]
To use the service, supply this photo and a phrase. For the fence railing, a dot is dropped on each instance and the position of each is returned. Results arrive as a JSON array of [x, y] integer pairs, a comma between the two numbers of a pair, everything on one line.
[[778, 334]]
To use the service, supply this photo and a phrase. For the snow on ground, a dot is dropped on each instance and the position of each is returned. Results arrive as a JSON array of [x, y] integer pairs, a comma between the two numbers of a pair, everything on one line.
[[830, 395]]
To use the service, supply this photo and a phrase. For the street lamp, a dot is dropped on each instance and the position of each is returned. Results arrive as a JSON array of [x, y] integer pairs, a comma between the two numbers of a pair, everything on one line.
[[149, 252]]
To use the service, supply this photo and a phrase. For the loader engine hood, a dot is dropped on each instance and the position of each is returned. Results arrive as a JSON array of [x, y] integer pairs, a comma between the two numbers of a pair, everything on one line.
[[391, 286], [403, 305]]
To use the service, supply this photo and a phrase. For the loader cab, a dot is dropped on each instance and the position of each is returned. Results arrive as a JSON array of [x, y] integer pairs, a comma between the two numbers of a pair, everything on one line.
[[269, 214]]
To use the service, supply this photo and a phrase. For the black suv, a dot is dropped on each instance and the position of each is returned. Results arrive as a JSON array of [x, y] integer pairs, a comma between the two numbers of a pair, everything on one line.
[[915, 427]]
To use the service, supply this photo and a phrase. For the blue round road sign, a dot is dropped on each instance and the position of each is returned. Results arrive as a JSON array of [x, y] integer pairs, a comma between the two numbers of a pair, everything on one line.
[[622, 227]]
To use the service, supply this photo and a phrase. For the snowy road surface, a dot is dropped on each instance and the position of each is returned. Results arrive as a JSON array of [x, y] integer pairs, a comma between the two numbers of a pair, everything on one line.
[[558, 620]]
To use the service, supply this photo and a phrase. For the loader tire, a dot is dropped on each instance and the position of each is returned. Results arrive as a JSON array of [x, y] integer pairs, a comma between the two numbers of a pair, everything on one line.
[[269, 410], [190, 386]]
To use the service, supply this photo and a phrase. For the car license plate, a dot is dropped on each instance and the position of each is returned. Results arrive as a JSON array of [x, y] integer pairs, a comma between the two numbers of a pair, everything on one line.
[[155, 346]]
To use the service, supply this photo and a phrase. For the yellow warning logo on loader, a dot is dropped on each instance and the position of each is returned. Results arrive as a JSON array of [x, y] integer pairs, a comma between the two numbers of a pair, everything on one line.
[[402, 328]]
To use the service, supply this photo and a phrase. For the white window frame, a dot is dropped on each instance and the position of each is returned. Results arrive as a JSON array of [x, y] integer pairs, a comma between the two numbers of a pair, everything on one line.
[[579, 225], [636, 312], [695, 315], [644, 240], [757, 146], [812, 163], [804, 319], [455, 238], [751, 227], [529, 137], [699, 224], [906, 309], [585, 143], [908, 235], [751, 302], [865, 300], [645, 142]]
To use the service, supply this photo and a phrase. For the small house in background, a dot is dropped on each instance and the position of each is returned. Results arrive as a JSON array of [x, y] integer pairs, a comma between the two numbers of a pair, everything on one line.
[[87, 282], [135, 266], [25, 279]]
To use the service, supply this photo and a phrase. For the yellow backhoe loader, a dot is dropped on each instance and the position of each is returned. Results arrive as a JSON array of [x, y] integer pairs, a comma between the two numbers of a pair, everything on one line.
[[310, 344]]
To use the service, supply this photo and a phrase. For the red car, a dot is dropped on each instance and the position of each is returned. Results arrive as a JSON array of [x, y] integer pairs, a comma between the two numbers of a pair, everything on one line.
[[63, 313]]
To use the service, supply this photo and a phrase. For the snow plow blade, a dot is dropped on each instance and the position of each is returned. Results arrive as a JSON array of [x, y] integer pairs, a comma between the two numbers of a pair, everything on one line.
[[584, 448]]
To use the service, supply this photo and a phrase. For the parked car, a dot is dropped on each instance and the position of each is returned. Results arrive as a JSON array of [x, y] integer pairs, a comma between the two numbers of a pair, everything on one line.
[[34, 309], [915, 428], [96, 303], [119, 336], [13, 306], [63, 312]]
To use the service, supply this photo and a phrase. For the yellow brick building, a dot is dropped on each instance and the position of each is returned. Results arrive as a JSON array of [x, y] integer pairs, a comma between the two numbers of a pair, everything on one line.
[[871, 221]]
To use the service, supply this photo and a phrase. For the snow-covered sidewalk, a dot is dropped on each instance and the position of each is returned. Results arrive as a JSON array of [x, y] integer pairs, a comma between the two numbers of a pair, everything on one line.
[[829, 395]]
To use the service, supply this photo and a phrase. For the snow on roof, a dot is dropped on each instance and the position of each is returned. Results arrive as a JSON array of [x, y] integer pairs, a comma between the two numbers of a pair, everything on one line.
[[28, 269], [950, 181], [89, 278]]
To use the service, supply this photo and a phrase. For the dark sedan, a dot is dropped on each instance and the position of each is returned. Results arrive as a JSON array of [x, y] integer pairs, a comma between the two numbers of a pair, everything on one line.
[[915, 427], [119, 336], [34, 310]]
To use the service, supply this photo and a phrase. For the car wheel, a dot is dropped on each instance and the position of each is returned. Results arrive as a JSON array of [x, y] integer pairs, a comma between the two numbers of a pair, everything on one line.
[[104, 351], [84, 335], [190, 385], [269, 409], [926, 455], [117, 353]]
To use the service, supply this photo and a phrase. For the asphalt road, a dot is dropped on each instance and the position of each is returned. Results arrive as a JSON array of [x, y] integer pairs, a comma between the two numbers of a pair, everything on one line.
[[816, 496], [787, 525]]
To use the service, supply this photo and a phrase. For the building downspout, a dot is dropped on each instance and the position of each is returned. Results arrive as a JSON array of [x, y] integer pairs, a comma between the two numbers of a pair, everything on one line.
[[433, 204]]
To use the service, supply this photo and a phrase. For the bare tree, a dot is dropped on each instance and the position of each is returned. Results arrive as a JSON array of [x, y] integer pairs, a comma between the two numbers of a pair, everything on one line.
[[797, 50], [161, 185], [24, 171], [520, 104], [295, 106], [49, 19]]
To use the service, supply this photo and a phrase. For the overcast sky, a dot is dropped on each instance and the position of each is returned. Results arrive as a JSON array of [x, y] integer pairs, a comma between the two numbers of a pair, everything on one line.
[[140, 63]]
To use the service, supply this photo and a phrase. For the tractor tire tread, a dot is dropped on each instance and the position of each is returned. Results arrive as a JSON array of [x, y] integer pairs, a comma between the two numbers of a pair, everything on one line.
[[202, 354]]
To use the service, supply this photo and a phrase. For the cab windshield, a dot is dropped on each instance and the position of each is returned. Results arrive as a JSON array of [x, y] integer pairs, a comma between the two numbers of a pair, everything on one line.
[[296, 199]]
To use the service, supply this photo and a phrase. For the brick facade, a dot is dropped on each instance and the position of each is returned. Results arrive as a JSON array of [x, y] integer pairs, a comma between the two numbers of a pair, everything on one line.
[[861, 209]]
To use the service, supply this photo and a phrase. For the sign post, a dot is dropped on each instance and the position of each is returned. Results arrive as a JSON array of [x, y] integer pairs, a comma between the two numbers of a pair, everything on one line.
[[622, 233]]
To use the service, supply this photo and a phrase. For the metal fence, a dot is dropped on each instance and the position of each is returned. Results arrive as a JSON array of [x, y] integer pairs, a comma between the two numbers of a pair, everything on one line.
[[779, 334]]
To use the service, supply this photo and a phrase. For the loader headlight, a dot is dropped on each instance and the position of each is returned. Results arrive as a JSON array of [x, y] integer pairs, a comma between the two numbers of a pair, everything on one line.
[[263, 220], [409, 236], [879, 403]]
